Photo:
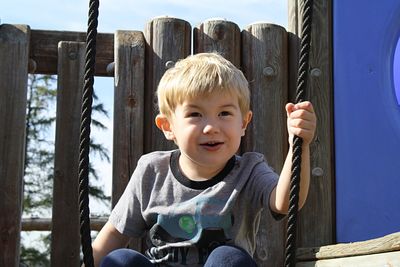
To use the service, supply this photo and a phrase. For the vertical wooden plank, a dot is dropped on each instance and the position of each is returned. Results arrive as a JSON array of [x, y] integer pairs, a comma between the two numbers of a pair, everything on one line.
[[264, 62], [168, 39], [294, 31], [128, 111], [65, 241], [220, 36], [128, 107], [316, 220], [14, 50]]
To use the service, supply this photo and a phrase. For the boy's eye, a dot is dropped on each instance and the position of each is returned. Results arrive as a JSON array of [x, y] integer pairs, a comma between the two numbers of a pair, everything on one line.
[[225, 113], [194, 114]]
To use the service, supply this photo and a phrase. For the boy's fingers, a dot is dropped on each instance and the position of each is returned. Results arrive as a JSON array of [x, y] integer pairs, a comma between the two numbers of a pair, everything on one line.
[[289, 108], [301, 120], [303, 114], [302, 124], [305, 105]]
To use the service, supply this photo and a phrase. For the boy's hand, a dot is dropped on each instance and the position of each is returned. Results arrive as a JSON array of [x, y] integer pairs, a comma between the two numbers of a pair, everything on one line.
[[301, 121]]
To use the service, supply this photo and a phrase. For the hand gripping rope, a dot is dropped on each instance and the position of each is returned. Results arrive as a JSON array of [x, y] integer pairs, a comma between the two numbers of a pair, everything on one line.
[[290, 258], [86, 112]]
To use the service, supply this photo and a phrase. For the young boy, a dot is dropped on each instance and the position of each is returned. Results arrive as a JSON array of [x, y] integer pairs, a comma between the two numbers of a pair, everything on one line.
[[200, 205]]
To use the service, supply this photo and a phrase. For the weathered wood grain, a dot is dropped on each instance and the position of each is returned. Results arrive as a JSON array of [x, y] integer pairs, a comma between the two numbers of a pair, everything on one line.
[[128, 107], [45, 224], [65, 239], [391, 259], [128, 111], [316, 219], [264, 52], [43, 49], [217, 35], [14, 49], [168, 39], [384, 244]]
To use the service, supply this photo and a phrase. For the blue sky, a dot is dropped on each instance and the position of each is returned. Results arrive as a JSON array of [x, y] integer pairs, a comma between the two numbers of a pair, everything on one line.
[[132, 15], [71, 15]]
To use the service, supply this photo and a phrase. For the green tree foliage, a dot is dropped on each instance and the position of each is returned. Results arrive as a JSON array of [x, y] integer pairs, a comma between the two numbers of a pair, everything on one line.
[[39, 160], [39, 149]]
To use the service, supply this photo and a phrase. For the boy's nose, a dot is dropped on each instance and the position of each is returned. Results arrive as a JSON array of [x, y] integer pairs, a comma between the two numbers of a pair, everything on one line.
[[210, 128]]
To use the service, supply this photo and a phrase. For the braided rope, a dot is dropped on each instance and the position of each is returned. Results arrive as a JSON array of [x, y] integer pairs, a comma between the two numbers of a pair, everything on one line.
[[86, 113], [290, 259]]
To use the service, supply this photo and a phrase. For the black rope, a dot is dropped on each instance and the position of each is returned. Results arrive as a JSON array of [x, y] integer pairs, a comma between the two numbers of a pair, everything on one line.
[[84, 142], [290, 258]]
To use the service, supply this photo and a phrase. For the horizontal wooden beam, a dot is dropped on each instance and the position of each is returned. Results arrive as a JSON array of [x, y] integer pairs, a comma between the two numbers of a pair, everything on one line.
[[44, 224], [382, 259], [44, 50], [384, 244]]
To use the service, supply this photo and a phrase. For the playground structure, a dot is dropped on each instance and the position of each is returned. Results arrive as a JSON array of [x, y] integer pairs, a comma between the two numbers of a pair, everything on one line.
[[268, 56]]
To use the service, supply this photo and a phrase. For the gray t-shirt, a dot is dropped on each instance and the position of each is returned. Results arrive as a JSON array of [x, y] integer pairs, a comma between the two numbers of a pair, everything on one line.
[[185, 219]]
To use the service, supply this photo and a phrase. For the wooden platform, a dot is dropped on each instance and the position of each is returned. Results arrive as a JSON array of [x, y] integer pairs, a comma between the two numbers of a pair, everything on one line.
[[384, 251]]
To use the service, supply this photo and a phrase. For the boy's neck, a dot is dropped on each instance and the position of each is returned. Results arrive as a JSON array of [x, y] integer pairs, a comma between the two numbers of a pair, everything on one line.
[[196, 172]]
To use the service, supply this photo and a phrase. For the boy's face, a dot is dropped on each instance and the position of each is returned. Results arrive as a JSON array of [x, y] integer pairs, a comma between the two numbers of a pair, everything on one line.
[[207, 130]]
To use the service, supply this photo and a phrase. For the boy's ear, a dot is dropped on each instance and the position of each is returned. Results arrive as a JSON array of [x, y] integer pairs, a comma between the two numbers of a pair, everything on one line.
[[246, 121], [164, 125]]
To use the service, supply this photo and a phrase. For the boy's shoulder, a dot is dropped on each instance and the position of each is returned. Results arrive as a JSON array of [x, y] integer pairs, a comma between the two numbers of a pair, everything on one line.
[[254, 160], [156, 158], [157, 154], [253, 157]]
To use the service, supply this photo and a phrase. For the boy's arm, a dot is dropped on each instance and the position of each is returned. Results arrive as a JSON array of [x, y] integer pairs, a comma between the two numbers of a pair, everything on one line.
[[301, 122], [106, 241], [279, 199]]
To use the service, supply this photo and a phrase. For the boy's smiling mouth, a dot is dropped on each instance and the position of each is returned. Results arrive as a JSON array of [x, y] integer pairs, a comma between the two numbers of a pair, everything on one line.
[[212, 145]]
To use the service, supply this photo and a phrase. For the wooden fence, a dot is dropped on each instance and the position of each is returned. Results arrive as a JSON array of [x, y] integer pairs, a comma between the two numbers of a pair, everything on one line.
[[266, 53]]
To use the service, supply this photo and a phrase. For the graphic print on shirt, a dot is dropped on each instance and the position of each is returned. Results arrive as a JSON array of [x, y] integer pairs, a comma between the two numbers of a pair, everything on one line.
[[195, 224]]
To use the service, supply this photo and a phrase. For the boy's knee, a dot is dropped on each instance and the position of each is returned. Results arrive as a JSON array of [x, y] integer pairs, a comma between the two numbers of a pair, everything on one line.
[[229, 256], [124, 258]]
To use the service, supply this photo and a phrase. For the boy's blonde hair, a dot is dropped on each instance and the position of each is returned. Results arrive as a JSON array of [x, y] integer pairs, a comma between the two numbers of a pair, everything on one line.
[[198, 76]]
